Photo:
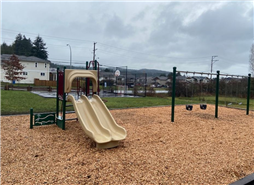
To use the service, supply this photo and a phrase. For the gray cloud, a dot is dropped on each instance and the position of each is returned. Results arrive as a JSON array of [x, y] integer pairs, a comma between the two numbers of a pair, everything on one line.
[[140, 35], [115, 28]]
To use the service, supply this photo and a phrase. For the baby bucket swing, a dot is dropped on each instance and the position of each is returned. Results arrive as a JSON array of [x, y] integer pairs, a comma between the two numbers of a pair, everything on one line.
[[189, 107], [203, 106]]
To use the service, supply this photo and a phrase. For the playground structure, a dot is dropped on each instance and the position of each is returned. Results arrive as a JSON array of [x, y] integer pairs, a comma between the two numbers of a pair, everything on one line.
[[203, 106], [93, 115]]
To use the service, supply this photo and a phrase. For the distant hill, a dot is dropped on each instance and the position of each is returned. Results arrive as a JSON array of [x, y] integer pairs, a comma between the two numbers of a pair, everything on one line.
[[154, 72], [53, 65], [149, 72]]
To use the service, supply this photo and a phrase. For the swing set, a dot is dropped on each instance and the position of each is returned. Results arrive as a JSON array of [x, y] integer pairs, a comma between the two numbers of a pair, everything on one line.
[[235, 90], [203, 105]]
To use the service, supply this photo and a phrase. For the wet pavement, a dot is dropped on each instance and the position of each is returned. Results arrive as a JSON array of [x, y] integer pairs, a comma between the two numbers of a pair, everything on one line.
[[52, 94]]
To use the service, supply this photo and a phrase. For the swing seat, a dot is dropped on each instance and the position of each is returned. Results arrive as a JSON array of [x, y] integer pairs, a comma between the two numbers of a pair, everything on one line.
[[203, 106], [189, 107]]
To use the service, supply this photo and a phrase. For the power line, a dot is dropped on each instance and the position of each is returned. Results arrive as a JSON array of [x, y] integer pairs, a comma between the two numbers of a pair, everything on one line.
[[64, 38], [5, 38], [229, 60], [151, 54], [101, 50], [80, 40]]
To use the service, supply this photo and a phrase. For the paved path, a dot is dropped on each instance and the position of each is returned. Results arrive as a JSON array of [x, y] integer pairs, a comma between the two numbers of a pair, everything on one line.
[[52, 94]]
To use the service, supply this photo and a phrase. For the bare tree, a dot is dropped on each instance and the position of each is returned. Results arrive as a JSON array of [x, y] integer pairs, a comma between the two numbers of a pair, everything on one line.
[[13, 68], [251, 61]]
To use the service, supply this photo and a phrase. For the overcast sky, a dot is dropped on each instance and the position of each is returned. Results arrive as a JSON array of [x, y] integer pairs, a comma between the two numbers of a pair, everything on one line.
[[155, 35]]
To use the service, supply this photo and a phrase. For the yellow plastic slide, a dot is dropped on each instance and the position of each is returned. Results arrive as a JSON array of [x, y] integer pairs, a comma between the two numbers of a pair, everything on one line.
[[97, 121]]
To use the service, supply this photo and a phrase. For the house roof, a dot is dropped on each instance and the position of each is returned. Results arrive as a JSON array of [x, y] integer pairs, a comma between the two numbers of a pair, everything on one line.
[[180, 77], [200, 77], [24, 58], [163, 78]]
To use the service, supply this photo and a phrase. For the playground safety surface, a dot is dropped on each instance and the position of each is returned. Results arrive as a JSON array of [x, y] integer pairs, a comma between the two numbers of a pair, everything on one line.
[[196, 149]]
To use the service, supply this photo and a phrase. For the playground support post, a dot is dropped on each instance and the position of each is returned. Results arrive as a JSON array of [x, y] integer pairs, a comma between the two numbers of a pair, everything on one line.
[[64, 100], [31, 118], [57, 98], [173, 95], [60, 122], [97, 68], [248, 95], [217, 94], [87, 81]]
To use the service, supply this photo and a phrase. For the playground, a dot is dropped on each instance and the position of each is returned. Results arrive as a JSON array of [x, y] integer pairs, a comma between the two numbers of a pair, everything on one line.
[[202, 143], [196, 148]]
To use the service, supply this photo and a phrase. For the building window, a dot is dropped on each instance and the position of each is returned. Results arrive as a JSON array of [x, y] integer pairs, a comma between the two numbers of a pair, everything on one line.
[[45, 65], [24, 73], [42, 74], [36, 64]]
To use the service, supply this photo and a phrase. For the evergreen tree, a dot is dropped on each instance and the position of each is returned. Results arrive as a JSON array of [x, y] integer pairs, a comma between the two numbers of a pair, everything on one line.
[[107, 70], [39, 49], [22, 45], [26, 46], [170, 76], [163, 75], [13, 68], [17, 44], [5, 49]]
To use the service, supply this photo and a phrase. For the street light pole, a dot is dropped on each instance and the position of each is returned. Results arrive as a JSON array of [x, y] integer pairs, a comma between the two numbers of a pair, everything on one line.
[[126, 82], [212, 62], [70, 54]]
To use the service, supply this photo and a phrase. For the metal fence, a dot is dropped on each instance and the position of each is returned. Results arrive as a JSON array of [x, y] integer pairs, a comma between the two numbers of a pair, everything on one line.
[[119, 81]]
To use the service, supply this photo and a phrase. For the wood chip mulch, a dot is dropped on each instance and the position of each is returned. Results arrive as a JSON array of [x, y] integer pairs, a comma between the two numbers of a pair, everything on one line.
[[196, 149]]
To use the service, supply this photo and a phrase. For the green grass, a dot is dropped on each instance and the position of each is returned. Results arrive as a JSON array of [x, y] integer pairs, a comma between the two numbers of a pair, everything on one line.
[[223, 101], [20, 102], [128, 102]]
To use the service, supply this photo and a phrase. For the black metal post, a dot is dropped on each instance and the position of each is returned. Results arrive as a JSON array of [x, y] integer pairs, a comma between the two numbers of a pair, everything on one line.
[[57, 98], [173, 95], [248, 95], [31, 118], [217, 94]]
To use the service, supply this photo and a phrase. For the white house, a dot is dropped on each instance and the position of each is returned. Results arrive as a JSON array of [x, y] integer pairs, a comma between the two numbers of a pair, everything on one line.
[[33, 68]]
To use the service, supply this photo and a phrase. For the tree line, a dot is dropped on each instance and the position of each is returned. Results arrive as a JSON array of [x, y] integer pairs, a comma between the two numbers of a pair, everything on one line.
[[24, 46]]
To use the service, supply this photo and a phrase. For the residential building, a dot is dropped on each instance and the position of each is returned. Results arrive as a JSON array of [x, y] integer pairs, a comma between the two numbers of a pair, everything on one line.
[[33, 68], [200, 79], [181, 78]]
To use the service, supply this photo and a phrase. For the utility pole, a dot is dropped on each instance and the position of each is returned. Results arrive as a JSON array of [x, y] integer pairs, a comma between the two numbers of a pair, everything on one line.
[[70, 54], [212, 62], [94, 50]]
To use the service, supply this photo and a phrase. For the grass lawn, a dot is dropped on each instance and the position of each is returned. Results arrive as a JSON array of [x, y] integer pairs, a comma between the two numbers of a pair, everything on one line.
[[20, 102], [127, 102], [223, 101]]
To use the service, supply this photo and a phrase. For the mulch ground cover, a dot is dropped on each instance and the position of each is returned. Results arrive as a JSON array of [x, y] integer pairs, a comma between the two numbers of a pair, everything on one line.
[[196, 149]]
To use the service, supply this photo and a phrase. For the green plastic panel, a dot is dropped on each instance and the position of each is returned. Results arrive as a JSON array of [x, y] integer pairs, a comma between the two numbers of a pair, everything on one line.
[[44, 119]]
